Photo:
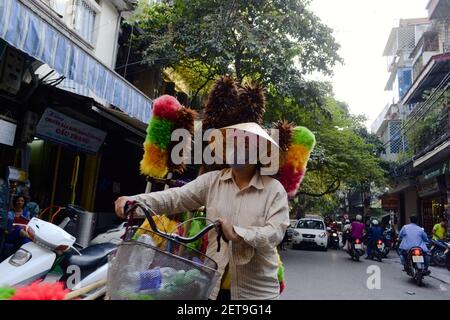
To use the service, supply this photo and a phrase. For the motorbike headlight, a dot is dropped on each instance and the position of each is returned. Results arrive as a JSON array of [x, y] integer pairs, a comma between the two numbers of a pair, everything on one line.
[[335, 235], [19, 258]]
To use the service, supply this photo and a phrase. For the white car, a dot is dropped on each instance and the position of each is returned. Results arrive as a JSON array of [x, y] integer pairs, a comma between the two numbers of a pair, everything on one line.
[[310, 232]]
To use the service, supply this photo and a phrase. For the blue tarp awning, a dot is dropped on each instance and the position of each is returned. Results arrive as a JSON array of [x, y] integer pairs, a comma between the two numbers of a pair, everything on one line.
[[26, 31]]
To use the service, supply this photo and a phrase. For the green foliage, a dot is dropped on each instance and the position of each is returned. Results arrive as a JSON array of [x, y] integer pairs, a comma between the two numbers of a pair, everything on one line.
[[344, 156], [273, 42]]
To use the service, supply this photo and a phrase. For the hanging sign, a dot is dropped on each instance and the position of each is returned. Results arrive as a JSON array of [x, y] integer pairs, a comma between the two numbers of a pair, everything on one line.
[[7, 132], [59, 128], [437, 170]]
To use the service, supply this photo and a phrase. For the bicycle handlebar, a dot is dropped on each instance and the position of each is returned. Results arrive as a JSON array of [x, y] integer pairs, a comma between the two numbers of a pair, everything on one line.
[[130, 206]]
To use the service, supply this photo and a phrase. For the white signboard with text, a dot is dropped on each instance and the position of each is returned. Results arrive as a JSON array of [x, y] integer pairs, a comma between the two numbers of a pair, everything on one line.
[[59, 128], [7, 132]]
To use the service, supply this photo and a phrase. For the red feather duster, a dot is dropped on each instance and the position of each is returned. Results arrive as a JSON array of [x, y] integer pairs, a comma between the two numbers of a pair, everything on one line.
[[166, 107], [41, 291]]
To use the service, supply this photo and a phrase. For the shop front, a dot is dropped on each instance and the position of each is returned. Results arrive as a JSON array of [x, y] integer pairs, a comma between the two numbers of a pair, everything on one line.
[[432, 192]]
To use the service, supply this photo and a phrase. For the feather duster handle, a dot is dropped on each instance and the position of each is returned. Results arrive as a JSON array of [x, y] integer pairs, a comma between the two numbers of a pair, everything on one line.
[[295, 160]]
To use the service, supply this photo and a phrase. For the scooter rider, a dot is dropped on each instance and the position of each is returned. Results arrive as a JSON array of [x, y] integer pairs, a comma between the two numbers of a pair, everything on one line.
[[411, 235], [357, 229], [346, 232], [375, 233]]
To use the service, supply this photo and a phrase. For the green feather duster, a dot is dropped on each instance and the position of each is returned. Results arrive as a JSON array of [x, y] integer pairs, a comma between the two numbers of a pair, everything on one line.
[[6, 293], [304, 137], [159, 132]]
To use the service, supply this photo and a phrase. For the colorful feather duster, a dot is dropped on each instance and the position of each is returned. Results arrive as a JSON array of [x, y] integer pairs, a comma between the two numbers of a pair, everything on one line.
[[35, 291], [295, 159], [168, 115]]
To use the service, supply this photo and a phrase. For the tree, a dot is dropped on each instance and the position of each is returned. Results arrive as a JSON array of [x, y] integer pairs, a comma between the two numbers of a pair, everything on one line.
[[343, 158], [273, 42]]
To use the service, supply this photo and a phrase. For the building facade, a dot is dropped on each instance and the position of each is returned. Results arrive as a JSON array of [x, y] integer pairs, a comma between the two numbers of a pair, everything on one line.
[[69, 121], [422, 182], [401, 42]]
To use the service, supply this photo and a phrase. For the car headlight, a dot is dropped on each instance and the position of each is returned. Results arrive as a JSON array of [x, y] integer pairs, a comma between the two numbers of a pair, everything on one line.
[[295, 233], [19, 258], [323, 235]]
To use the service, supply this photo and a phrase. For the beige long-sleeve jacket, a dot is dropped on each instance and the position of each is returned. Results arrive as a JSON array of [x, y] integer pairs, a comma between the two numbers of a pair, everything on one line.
[[259, 214]]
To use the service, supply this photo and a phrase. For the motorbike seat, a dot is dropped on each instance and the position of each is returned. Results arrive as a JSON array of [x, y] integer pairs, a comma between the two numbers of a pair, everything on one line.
[[91, 257]]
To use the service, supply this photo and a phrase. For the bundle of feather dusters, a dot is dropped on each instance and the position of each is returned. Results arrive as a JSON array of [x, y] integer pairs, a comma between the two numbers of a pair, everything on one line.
[[167, 115], [231, 103]]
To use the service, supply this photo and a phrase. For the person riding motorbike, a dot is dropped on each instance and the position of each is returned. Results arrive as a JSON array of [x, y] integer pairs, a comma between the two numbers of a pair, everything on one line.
[[357, 229], [346, 232], [411, 236], [374, 234]]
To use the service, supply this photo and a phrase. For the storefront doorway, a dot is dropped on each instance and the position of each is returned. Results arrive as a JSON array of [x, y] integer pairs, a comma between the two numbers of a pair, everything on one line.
[[432, 210]]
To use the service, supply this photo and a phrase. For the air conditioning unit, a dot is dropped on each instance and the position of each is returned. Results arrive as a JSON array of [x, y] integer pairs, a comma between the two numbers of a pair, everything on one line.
[[11, 70]]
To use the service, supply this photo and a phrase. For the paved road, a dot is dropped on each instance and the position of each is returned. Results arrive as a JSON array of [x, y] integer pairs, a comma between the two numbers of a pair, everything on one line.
[[333, 275]]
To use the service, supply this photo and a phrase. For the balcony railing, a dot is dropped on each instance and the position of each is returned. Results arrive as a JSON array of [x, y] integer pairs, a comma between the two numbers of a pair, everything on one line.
[[428, 125], [428, 42], [435, 134]]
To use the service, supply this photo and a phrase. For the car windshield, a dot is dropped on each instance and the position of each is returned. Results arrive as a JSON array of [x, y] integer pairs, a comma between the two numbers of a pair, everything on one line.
[[310, 224]]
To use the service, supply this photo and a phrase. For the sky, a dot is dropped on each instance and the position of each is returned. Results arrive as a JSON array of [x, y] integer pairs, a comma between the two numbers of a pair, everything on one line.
[[362, 29]]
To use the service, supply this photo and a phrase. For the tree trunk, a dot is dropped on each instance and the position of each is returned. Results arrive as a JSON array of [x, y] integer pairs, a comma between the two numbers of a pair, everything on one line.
[[238, 67], [198, 91]]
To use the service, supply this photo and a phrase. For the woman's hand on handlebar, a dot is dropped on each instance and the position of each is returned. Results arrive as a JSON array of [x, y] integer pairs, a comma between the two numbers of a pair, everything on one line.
[[228, 231], [120, 206]]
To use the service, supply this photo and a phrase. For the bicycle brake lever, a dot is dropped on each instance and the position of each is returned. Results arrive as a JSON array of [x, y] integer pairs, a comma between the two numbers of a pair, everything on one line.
[[219, 235]]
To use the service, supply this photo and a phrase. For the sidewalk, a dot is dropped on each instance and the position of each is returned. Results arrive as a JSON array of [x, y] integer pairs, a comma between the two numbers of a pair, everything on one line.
[[441, 274]]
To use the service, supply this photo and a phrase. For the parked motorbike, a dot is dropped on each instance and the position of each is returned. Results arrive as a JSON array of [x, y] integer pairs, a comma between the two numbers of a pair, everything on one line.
[[333, 239], [356, 249], [112, 236], [447, 259], [415, 265], [389, 243], [437, 252], [51, 248]]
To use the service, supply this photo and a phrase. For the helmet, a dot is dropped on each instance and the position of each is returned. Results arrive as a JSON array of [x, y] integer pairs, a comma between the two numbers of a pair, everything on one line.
[[359, 217], [375, 222]]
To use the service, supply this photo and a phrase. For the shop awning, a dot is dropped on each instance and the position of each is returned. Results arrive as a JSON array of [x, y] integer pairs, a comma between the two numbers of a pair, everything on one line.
[[28, 32]]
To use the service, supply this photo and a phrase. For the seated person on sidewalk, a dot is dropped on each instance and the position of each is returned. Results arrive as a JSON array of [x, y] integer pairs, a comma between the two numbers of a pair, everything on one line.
[[440, 230]]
